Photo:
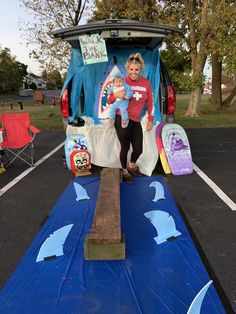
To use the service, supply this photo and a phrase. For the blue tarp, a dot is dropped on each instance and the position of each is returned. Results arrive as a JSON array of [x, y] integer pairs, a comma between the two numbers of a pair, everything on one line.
[[90, 76], [154, 278]]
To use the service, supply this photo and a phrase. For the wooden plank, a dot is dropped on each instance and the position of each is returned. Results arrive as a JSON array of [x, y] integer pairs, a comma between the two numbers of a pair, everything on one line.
[[106, 224], [105, 242]]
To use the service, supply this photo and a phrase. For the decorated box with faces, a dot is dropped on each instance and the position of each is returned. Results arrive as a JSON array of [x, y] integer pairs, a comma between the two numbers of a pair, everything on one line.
[[80, 162]]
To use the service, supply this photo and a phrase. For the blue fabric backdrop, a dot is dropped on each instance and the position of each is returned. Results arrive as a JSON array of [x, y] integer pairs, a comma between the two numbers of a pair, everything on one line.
[[153, 279], [91, 75]]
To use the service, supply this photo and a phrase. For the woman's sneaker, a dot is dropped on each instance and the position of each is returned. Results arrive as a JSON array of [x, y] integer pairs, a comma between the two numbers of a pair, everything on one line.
[[134, 171], [128, 178]]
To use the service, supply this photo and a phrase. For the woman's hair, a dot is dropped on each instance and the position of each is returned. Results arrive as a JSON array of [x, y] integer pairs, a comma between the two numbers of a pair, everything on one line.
[[135, 58]]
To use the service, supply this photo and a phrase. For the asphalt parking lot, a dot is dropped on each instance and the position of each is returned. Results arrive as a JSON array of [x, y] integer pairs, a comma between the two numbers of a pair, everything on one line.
[[211, 222]]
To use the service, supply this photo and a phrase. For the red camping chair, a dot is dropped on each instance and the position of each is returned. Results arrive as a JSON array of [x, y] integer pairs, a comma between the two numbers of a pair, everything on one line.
[[18, 137]]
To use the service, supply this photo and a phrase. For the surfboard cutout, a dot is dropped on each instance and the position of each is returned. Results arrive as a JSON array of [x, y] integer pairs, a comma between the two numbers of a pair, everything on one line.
[[101, 105], [160, 148], [177, 149]]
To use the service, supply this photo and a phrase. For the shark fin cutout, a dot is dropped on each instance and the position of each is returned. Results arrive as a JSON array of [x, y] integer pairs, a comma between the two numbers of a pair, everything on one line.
[[195, 307], [53, 245], [164, 224], [159, 195], [81, 193]]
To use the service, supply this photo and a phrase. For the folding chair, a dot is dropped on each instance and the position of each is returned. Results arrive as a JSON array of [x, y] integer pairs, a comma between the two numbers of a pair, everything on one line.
[[18, 137]]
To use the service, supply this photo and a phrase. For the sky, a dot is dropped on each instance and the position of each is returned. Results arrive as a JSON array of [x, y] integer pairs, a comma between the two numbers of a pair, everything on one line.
[[10, 36]]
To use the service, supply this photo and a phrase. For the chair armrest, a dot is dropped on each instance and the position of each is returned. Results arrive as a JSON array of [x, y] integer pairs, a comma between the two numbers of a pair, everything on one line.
[[34, 129]]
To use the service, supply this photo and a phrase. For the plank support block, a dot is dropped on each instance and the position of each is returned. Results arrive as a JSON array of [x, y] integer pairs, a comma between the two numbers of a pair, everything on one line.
[[104, 251]]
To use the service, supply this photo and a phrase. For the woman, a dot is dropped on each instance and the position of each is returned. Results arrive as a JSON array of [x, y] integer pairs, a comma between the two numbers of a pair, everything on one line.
[[133, 134]]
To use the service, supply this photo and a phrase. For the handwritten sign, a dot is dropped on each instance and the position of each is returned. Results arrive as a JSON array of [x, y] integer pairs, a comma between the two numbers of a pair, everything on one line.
[[93, 48]]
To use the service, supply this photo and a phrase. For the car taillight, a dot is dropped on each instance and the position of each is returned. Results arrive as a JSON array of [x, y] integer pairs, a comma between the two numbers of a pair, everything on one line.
[[65, 104], [171, 99]]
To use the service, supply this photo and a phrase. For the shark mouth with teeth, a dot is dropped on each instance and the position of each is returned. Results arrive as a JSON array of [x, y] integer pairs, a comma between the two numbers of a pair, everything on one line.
[[101, 105], [104, 105]]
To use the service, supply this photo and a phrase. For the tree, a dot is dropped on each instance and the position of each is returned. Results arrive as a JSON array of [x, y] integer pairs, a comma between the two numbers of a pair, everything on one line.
[[222, 45], [192, 18], [216, 97], [48, 16], [11, 72], [178, 64], [44, 74], [54, 79], [144, 10]]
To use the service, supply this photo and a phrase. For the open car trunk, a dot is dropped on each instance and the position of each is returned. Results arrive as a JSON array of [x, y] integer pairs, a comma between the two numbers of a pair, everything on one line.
[[86, 85]]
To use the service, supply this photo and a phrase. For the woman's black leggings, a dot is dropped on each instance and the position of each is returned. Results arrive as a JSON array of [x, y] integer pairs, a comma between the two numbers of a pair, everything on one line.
[[133, 135]]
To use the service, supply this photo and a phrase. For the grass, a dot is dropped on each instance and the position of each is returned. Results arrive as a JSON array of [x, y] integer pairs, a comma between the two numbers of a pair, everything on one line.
[[48, 119], [41, 115], [209, 116]]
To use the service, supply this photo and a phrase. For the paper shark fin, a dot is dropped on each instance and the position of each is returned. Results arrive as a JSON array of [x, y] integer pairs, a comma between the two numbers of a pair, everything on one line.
[[81, 193], [195, 307], [159, 191], [53, 245], [164, 224]]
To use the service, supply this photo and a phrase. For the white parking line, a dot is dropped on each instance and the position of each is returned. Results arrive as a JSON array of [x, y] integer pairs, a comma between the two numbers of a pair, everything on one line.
[[27, 171], [215, 188], [211, 184]]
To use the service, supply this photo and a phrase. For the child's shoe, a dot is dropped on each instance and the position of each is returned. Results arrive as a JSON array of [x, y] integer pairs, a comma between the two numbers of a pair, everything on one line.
[[134, 171], [110, 123]]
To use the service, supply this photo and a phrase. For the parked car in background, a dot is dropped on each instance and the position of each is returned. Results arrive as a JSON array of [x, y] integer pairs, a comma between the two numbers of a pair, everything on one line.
[[80, 93], [26, 92], [207, 91]]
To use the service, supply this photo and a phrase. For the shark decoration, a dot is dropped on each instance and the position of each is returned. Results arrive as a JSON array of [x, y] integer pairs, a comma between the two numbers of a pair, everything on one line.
[[81, 193], [164, 224], [195, 307], [53, 245], [101, 105], [159, 195]]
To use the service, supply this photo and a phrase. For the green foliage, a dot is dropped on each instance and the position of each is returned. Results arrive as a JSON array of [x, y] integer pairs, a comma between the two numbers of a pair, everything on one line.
[[178, 64], [144, 10], [11, 72], [44, 74], [54, 79], [49, 16], [51, 84]]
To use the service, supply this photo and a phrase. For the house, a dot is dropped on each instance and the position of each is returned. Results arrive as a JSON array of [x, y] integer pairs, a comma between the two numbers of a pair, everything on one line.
[[31, 78]]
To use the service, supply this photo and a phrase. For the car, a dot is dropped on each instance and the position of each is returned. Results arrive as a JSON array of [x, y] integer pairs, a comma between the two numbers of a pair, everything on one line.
[[80, 93], [207, 91]]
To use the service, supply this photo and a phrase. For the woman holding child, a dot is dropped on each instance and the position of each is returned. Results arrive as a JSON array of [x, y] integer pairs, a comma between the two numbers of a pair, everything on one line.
[[133, 134]]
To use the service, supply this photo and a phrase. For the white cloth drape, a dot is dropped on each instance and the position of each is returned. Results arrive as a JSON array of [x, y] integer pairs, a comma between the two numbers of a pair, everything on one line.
[[104, 147]]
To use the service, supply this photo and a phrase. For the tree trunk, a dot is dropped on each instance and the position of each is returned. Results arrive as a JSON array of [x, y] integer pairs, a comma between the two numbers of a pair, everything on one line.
[[193, 107], [228, 100], [216, 98]]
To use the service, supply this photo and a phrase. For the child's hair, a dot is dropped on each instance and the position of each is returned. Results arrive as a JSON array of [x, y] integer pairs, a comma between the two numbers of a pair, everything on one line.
[[135, 58], [118, 75]]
